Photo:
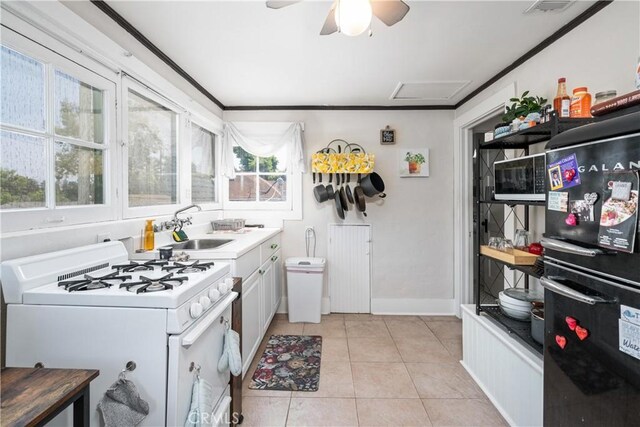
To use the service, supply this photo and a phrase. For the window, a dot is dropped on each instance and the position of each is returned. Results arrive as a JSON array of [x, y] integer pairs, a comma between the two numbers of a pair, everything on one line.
[[152, 152], [259, 179], [203, 161], [54, 137]]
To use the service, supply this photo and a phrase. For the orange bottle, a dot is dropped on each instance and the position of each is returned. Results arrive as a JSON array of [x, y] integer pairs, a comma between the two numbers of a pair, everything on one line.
[[562, 101], [580, 103]]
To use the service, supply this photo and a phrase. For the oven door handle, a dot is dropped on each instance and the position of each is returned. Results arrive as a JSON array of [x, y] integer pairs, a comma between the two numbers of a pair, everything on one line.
[[568, 292], [203, 324], [560, 246]]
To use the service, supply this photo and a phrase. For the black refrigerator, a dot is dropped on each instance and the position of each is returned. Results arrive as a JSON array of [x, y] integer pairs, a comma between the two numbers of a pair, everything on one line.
[[592, 276]]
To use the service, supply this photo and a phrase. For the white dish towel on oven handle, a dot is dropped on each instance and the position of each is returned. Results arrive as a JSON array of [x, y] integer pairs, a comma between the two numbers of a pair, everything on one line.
[[201, 404], [231, 358]]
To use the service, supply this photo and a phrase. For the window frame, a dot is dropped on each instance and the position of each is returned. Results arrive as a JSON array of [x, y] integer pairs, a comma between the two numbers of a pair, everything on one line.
[[217, 203], [50, 215], [182, 134], [294, 186]]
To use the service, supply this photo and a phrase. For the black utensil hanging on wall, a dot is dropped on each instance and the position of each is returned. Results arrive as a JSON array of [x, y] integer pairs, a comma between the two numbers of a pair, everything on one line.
[[339, 208], [330, 186], [358, 195], [373, 185], [348, 190]]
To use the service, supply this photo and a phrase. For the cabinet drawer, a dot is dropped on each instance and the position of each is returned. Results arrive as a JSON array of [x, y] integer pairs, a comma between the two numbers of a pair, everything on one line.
[[268, 248], [248, 263]]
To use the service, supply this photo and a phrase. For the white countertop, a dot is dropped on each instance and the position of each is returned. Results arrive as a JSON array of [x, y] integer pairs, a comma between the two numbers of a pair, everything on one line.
[[241, 244]]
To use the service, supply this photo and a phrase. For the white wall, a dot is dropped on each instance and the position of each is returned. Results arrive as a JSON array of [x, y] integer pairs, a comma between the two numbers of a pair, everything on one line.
[[412, 228], [602, 54]]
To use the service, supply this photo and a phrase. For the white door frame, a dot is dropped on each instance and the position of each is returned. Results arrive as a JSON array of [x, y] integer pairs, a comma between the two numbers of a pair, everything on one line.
[[463, 191]]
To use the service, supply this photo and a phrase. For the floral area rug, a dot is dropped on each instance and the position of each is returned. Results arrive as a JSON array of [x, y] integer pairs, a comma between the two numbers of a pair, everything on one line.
[[290, 362]]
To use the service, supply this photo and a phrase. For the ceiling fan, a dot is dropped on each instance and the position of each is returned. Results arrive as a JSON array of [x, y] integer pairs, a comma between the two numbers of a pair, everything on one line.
[[353, 17]]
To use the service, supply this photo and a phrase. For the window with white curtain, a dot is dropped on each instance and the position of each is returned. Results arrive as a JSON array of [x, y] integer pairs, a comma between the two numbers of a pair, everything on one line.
[[262, 164], [55, 138]]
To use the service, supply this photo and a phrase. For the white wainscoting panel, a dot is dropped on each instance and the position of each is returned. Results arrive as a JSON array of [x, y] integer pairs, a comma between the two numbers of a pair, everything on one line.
[[508, 372], [349, 266]]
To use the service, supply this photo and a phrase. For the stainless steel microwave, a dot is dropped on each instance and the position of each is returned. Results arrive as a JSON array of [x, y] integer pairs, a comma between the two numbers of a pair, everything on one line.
[[520, 179]]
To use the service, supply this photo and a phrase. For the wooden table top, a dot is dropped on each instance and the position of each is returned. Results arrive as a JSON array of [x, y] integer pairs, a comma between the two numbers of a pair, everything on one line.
[[29, 395]]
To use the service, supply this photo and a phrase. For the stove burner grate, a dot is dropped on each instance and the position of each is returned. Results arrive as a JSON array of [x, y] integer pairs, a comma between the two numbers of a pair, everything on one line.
[[154, 285], [196, 266], [137, 266], [90, 283]]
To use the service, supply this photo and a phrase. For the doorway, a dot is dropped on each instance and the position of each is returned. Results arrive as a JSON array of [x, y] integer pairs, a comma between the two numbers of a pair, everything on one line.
[[463, 127]]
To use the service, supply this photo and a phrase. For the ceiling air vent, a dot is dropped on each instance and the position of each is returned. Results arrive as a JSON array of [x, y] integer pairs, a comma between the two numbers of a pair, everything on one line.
[[549, 5], [428, 91]]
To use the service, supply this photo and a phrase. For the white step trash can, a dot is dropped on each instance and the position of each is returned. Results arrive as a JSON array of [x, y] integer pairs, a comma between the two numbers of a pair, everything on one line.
[[305, 279]]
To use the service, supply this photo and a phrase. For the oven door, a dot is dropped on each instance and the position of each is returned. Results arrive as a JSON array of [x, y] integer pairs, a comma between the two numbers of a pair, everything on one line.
[[200, 346], [588, 380]]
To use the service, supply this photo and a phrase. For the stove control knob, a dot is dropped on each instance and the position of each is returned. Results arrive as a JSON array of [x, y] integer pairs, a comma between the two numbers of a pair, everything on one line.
[[195, 310], [205, 302], [222, 287], [214, 294]]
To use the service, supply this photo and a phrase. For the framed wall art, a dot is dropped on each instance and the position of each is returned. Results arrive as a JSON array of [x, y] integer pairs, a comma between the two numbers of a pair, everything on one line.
[[413, 162]]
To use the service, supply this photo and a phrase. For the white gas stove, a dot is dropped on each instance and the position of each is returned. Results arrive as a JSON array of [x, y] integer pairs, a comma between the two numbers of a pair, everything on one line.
[[91, 307]]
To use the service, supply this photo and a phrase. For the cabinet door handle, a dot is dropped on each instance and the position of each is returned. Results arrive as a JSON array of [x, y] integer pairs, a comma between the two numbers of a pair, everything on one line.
[[274, 245], [274, 258], [261, 271]]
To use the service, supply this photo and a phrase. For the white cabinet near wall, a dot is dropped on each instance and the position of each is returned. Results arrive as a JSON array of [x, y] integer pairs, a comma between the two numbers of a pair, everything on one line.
[[349, 263], [262, 293], [266, 289], [276, 259], [251, 319]]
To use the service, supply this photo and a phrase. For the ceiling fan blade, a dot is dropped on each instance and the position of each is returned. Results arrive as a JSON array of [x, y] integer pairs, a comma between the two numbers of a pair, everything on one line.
[[278, 4], [330, 25], [389, 11]]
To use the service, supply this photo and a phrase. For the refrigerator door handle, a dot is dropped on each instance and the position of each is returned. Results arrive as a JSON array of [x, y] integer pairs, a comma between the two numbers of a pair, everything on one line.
[[560, 246], [568, 292]]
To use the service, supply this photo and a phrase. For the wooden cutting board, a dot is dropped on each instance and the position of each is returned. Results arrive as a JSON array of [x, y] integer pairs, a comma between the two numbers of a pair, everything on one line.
[[515, 256]]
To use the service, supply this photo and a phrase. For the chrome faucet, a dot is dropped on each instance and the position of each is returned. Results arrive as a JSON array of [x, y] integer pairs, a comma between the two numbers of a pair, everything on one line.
[[176, 222], [175, 215]]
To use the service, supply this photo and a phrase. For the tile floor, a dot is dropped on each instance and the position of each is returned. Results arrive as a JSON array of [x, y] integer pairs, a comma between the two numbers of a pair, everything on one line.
[[377, 371]]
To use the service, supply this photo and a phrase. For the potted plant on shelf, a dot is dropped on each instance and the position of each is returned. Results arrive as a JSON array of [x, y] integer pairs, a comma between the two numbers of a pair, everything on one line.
[[522, 107], [415, 161]]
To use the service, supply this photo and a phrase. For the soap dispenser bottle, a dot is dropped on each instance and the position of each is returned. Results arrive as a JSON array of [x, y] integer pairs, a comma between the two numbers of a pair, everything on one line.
[[149, 237]]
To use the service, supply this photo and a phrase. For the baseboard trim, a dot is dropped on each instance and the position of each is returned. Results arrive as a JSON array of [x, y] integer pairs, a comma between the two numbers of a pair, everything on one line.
[[413, 306], [395, 306]]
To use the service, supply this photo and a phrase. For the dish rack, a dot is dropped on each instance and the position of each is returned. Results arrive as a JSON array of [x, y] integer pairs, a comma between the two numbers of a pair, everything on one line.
[[230, 224]]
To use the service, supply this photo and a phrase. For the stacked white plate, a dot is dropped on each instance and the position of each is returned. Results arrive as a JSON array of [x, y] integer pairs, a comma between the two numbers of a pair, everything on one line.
[[516, 303]]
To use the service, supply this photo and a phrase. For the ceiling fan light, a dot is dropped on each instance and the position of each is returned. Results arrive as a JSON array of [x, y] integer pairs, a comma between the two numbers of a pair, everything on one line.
[[353, 17]]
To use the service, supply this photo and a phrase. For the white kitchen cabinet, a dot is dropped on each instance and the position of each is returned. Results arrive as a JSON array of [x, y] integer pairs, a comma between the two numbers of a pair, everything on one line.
[[266, 290], [252, 330], [276, 259], [262, 293]]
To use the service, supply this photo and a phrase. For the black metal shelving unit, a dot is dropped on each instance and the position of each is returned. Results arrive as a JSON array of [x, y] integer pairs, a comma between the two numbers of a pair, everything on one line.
[[486, 153]]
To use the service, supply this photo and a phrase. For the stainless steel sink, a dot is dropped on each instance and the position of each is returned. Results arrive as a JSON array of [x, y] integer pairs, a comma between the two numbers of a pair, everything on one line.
[[200, 244]]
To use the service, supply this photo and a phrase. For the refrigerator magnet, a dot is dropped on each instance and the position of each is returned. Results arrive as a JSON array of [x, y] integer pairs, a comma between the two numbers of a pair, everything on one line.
[[564, 173], [557, 201], [582, 333], [571, 322], [629, 338], [619, 217]]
